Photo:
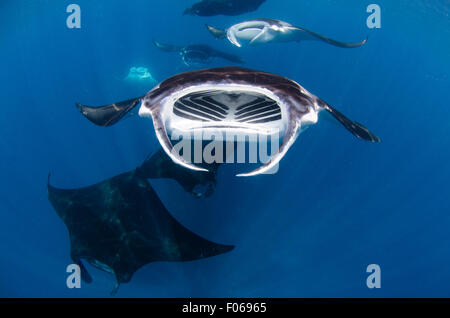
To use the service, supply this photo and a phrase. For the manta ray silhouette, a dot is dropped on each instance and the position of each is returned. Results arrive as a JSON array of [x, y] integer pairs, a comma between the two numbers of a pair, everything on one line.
[[198, 53], [207, 8], [120, 224]]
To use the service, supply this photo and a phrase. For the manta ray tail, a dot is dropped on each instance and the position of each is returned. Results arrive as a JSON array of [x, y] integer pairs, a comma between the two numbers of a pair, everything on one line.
[[355, 128], [217, 33], [108, 115], [318, 36]]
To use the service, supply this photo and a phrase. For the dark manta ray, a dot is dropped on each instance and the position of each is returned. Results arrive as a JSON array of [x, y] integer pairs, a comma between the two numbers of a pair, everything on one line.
[[223, 7], [120, 224], [228, 100], [198, 53], [261, 31]]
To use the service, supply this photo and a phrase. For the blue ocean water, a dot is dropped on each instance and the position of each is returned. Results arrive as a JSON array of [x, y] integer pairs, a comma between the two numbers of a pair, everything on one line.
[[337, 204]]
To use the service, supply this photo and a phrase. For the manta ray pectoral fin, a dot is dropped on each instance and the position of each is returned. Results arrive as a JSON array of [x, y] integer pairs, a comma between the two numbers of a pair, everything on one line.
[[189, 11], [108, 115], [167, 47], [217, 33], [163, 138], [317, 36], [115, 289], [85, 276], [288, 140], [355, 128]]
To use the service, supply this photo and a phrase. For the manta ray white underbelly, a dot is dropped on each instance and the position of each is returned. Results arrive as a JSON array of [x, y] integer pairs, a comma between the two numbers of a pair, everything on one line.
[[261, 31], [226, 100]]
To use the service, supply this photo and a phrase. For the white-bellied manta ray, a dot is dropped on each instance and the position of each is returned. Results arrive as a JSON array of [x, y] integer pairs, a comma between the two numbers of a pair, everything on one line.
[[228, 100], [260, 31]]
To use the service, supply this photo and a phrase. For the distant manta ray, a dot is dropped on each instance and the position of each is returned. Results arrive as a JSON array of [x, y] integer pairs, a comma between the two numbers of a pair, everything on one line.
[[198, 53], [261, 31], [223, 7]]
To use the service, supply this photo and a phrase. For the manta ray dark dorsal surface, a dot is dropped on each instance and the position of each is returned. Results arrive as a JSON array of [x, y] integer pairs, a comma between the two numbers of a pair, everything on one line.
[[120, 225], [200, 53], [207, 8]]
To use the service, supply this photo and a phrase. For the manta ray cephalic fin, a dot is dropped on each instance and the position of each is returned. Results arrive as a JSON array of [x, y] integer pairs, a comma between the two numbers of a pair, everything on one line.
[[288, 140], [163, 138], [263, 33]]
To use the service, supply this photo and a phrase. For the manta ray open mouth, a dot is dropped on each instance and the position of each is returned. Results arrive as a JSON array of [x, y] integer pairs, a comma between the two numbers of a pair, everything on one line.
[[220, 112], [225, 111]]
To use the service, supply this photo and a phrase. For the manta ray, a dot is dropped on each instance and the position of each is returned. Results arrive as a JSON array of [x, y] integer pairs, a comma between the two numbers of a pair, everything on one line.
[[261, 31], [223, 7], [227, 100], [198, 53], [120, 224]]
